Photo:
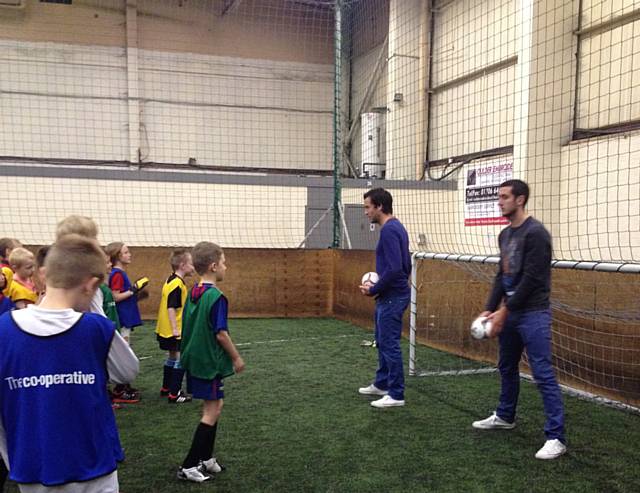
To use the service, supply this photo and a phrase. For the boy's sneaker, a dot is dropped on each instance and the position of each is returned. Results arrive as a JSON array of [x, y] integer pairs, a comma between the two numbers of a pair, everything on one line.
[[193, 474], [125, 397], [211, 466], [164, 392], [372, 390], [551, 449], [130, 389], [493, 422], [388, 401], [180, 398]]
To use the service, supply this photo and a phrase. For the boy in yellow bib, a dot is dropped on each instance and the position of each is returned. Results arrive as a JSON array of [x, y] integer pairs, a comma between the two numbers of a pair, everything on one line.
[[169, 325]]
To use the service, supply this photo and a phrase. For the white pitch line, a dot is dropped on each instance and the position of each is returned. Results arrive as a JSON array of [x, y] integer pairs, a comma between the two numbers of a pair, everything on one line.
[[280, 341], [445, 373]]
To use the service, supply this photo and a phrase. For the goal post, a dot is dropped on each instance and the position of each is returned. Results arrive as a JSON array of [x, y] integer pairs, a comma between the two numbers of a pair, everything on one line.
[[595, 322]]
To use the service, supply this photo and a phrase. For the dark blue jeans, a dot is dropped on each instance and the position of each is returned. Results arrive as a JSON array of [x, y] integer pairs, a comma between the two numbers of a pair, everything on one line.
[[388, 330], [530, 330]]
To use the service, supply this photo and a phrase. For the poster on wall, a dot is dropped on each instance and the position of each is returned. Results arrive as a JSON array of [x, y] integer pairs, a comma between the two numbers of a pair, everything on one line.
[[481, 192]]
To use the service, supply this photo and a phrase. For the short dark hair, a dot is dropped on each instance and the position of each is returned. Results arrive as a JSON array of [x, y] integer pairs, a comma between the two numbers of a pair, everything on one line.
[[204, 254], [177, 257], [8, 244], [380, 197], [518, 188], [41, 255]]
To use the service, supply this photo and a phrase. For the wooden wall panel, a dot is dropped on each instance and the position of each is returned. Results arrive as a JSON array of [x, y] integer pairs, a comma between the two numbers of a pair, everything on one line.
[[259, 283], [596, 338], [348, 303]]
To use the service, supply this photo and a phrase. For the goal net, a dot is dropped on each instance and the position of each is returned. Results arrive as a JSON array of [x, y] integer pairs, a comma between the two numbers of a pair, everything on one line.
[[595, 328]]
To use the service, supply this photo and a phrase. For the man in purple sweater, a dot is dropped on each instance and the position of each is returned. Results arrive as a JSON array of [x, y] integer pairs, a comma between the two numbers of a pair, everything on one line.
[[519, 309], [392, 293]]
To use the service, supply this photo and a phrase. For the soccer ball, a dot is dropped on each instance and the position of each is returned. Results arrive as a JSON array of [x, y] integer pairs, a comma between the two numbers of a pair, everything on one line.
[[480, 328], [369, 278]]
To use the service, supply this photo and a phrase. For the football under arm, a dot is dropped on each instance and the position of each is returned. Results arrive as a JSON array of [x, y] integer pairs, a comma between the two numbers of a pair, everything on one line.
[[122, 363]]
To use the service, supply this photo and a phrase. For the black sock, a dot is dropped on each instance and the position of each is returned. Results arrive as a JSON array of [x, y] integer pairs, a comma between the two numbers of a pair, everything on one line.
[[3, 474], [166, 376], [208, 453], [176, 380], [199, 446]]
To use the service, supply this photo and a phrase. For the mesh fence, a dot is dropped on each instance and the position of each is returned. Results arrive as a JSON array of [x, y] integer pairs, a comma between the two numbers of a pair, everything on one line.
[[472, 92], [254, 122], [169, 121], [442, 98]]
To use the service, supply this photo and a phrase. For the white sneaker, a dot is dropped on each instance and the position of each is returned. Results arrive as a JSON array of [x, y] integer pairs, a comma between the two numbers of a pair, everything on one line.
[[193, 474], [211, 466], [387, 401], [372, 390], [551, 449], [493, 422]]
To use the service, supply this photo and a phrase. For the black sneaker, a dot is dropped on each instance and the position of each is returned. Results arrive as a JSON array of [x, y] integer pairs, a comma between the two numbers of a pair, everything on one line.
[[180, 398], [164, 392], [130, 389]]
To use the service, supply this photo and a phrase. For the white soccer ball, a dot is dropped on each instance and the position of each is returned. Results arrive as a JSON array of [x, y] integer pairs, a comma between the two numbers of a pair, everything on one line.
[[370, 278], [480, 328]]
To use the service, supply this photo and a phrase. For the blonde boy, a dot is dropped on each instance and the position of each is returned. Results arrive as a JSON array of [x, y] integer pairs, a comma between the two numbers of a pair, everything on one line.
[[6, 247], [79, 225], [22, 290], [83, 226], [56, 397], [169, 325]]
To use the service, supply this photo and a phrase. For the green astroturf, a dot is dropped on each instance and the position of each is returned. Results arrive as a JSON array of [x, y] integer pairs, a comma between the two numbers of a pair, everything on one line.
[[294, 422]]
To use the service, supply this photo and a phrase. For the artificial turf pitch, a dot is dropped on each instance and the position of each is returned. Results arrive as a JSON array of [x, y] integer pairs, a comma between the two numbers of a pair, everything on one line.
[[294, 422]]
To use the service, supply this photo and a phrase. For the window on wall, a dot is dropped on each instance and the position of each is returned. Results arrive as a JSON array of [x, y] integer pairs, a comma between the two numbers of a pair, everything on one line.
[[608, 69], [472, 84]]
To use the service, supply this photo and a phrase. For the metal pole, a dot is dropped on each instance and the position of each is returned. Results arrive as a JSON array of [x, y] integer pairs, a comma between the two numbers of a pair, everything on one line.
[[344, 226], [413, 307], [337, 140]]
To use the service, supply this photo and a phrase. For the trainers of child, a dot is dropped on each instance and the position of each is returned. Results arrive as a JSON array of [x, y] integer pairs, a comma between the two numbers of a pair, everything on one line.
[[180, 398], [193, 474], [211, 466]]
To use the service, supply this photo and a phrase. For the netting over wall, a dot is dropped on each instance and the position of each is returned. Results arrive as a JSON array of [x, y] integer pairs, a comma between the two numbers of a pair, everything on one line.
[[442, 98], [169, 121], [473, 92]]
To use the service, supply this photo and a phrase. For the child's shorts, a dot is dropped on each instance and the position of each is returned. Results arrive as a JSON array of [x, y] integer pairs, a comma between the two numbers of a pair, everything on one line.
[[168, 343], [208, 390]]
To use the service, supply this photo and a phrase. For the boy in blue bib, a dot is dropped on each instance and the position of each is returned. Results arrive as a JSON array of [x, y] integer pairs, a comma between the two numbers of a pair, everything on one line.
[[56, 397]]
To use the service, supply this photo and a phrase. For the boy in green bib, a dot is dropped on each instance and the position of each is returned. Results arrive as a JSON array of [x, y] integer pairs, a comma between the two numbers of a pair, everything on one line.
[[208, 355]]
